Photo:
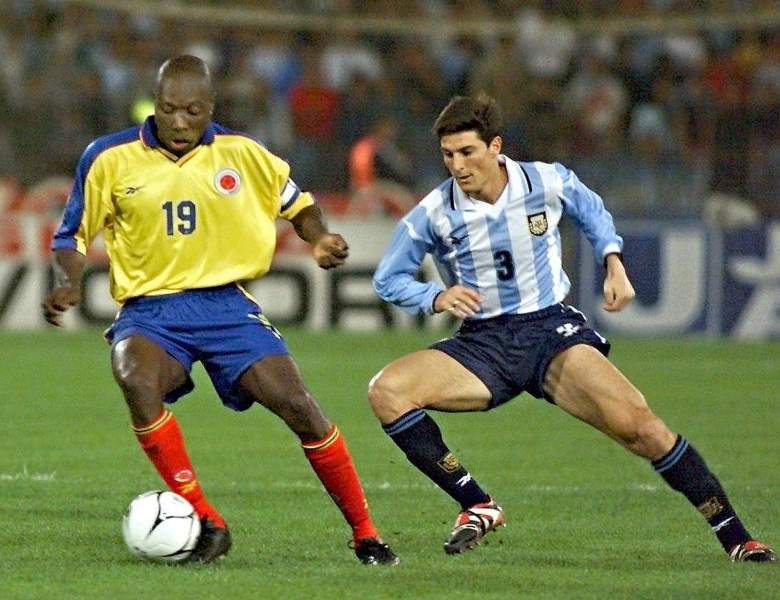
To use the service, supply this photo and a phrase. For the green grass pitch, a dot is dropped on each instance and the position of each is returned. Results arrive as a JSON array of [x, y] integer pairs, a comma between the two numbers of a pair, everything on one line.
[[584, 518]]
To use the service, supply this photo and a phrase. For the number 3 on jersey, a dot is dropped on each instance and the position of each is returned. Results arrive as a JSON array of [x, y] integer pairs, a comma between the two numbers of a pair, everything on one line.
[[184, 212], [505, 265]]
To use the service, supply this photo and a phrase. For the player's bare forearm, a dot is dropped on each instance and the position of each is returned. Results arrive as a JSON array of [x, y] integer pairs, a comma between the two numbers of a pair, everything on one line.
[[309, 224], [618, 291], [68, 269], [329, 249]]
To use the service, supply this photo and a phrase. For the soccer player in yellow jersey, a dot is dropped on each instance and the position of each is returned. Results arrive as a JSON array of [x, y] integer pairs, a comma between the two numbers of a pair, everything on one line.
[[187, 209]]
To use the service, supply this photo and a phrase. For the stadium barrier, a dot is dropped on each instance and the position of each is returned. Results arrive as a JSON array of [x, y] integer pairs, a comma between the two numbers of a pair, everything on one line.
[[690, 279], [295, 293]]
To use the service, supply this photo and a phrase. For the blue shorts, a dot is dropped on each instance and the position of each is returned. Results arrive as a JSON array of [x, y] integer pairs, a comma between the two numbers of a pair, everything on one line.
[[221, 327], [510, 353]]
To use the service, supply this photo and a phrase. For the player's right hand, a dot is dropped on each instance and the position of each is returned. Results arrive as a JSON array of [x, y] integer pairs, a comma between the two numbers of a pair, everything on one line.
[[57, 302], [460, 301]]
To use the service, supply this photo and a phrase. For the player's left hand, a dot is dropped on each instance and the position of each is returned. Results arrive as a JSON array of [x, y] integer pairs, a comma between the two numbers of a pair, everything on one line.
[[330, 251], [59, 300], [618, 291]]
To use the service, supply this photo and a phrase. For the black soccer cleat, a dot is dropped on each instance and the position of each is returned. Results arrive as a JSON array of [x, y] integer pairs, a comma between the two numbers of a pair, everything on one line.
[[752, 551], [213, 542], [373, 551]]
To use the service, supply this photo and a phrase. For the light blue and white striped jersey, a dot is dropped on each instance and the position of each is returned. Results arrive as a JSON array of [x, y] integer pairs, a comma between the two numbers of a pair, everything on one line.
[[510, 251]]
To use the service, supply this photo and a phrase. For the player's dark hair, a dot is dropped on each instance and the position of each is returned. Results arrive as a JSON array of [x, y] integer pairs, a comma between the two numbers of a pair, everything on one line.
[[478, 113], [184, 64]]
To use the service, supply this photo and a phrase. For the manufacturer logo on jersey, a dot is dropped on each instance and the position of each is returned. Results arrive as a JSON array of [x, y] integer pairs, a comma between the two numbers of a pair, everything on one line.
[[227, 181], [537, 224]]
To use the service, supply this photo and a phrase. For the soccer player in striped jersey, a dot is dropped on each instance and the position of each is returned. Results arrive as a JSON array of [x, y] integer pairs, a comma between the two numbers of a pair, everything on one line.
[[187, 209], [492, 230]]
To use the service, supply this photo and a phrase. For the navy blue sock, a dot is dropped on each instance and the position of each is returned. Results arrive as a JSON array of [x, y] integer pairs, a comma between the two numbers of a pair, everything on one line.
[[419, 437], [685, 471]]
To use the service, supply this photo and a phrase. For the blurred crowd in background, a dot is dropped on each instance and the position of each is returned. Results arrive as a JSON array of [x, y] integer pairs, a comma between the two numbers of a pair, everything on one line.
[[657, 121]]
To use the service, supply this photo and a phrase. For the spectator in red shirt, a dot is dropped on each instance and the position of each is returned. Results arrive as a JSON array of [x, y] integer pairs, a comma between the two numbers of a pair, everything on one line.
[[314, 110]]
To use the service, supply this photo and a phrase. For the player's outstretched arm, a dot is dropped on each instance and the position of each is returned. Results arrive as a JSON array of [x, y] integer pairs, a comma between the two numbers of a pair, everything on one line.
[[618, 291], [329, 249], [68, 268]]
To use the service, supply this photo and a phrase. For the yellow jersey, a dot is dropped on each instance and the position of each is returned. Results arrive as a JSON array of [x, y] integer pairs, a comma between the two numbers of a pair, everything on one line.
[[176, 223]]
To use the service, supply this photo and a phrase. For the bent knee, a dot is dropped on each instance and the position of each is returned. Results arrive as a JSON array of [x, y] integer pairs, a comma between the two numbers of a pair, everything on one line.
[[137, 383], [304, 416], [644, 433], [381, 391], [388, 397], [301, 404], [143, 394]]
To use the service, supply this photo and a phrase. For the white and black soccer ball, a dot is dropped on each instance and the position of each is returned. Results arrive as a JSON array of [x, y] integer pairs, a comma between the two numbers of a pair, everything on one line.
[[161, 526]]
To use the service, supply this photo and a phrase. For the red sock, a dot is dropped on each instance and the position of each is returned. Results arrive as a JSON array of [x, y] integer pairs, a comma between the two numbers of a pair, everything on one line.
[[330, 459], [163, 443]]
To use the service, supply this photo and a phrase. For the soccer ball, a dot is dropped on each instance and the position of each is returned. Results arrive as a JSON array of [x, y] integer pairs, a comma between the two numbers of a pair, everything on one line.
[[161, 526]]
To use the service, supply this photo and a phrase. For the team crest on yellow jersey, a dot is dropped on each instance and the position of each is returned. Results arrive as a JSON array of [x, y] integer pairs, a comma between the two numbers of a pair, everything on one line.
[[227, 181], [537, 224]]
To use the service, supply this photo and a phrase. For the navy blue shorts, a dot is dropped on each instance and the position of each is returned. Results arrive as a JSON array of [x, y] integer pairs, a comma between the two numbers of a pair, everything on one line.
[[510, 353], [221, 327]]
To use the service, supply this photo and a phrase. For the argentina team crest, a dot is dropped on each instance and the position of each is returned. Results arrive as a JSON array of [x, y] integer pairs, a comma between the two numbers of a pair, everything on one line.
[[227, 181], [537, 224], [449, 463]]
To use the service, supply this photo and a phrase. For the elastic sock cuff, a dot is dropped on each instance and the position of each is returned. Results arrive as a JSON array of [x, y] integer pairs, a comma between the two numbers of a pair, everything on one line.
[[671, 458], [404, 422], [324, 442], [164, 417]]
